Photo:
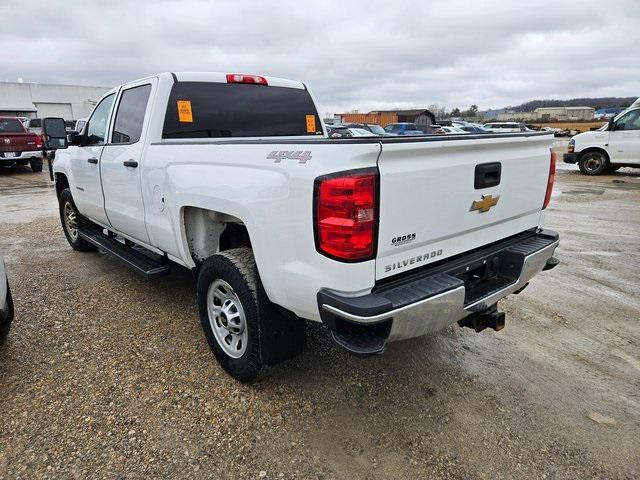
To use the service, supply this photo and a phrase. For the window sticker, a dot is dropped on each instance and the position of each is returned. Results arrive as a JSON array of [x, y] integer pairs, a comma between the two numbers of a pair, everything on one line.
[[184, 111], [311, 124]]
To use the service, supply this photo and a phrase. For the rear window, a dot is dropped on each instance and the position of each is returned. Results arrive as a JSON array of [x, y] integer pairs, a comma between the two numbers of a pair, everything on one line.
[[10, 125], [211, 110], [35, 123]]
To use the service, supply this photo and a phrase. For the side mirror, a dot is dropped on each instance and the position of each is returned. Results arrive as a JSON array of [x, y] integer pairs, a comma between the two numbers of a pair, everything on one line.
[[54, 133], [611, 124]]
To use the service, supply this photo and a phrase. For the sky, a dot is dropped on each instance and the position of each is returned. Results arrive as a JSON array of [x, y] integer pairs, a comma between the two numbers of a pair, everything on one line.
[[353, 55]]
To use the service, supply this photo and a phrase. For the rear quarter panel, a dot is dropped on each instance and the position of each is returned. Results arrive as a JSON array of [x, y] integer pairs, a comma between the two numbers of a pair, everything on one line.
[[273, 199]]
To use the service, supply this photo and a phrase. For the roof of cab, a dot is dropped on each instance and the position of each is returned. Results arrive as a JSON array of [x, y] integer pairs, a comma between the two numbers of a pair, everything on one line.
[[220, 77]]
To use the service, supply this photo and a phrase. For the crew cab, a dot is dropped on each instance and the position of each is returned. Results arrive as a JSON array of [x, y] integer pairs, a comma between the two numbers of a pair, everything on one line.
[[19, 146], [615, 145], [234, 177]]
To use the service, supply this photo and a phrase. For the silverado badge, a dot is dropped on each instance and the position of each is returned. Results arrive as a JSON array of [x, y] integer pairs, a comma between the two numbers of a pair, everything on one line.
[[485, 204]]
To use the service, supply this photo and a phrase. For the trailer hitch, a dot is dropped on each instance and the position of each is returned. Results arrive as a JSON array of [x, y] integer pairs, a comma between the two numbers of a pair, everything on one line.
[[489, 318]]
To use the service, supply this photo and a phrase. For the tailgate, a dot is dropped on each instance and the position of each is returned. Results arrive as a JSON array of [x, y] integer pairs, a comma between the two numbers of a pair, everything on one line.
[[432, 206], [17, 142]]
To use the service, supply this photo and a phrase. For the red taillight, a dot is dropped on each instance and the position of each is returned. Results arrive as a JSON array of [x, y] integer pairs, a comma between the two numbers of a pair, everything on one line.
[[242, 78], [39, 141], [346, 214], [550, 180]]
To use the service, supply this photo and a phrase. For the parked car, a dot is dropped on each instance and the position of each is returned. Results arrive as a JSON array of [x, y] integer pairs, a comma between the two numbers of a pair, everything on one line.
[[6, 304], [361, 132], [615, 145], [405, 128], [474, 129], [281, 225], [34, 125], [338, 131], [371, 127], [19, 146], [505, 127], [80, 123], [453, 130]]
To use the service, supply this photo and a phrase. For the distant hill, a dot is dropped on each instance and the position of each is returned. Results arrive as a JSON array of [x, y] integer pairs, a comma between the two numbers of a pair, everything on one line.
[[597, 103]]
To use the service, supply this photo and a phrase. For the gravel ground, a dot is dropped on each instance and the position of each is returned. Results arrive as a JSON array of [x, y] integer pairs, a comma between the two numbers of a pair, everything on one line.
[[106, 375]]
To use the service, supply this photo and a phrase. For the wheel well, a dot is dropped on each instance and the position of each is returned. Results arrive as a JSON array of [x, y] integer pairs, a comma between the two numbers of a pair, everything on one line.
[[209, 232], [594, 149], [61, 183]]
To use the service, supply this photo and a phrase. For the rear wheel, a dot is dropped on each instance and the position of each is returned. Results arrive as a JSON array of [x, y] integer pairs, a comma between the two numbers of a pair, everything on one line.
[[6, 318], [36, 164], [229, 312], [244, 330], [71, 221], [593, 163]]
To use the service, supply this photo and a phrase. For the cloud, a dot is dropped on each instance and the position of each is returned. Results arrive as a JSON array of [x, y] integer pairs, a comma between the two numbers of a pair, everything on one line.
[[354, 55]]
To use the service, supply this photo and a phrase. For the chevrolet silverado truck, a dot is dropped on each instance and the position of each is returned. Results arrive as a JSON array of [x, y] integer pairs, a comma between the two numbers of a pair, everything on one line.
[[18, 146], [615, 145], [234, 177]]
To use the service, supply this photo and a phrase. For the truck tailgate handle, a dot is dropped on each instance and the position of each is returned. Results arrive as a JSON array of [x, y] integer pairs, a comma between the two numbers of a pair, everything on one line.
[[92, 160], [131, 163], [487, 175]]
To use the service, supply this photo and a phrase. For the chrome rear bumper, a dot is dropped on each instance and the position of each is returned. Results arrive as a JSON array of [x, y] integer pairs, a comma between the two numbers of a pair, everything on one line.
[[442, 298]]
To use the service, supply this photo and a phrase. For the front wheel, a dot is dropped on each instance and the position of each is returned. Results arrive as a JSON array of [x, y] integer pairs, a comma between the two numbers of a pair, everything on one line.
[[593, 163], [71, 219]]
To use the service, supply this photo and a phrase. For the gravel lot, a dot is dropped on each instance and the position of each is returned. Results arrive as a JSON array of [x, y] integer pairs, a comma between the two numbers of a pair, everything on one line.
[[106, 375]]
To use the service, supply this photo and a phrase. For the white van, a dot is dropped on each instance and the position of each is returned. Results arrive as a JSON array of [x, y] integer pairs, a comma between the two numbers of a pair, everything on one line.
[[615, 145]]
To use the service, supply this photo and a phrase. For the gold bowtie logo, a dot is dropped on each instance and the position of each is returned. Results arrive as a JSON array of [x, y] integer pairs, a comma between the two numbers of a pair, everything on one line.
[[485, 204]]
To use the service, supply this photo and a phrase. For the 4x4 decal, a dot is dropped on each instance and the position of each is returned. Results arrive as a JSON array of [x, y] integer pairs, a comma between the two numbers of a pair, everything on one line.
[[279, 155]]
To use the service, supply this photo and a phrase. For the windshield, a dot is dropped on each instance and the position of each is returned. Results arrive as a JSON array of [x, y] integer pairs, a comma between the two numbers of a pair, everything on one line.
[[377, 129]]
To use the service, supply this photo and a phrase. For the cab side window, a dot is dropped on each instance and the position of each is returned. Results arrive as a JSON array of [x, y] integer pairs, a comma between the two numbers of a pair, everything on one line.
[[97, 125], [130, 114], [631, 121]]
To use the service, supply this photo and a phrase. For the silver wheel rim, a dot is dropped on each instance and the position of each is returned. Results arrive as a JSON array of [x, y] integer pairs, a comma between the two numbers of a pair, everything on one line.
[[71, 221], [227, 318], [593, 163]]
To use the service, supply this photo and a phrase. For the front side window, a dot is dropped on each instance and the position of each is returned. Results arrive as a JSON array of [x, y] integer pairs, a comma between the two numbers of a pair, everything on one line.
[[211, 109], [10, 125], [130, 114], [630, 121], [97, 125]]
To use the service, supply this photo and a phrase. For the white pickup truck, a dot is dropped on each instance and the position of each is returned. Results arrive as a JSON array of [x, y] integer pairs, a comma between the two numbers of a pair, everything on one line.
[[234, 177], [615, 145]]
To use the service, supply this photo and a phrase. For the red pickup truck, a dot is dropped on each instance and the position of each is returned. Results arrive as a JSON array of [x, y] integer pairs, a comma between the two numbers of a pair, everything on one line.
[[18, 146]]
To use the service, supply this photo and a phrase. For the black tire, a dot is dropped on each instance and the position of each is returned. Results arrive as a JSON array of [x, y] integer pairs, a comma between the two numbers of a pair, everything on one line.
[[272, 336], [237, 268], [77, 243], [6, 318], [593, 163], [36, 164]]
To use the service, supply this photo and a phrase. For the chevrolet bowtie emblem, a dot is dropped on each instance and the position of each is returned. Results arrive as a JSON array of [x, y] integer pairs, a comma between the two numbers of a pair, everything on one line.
[[485, 204]]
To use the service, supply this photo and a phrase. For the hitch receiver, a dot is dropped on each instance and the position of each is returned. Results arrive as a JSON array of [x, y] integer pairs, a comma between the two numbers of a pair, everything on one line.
[[489, 318]]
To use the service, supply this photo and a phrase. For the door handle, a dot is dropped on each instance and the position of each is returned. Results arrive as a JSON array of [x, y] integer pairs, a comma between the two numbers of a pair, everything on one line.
[[93, 160], [131, 163]]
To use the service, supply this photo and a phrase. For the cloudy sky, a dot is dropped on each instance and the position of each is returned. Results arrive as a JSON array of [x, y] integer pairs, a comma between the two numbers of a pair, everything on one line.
[[354, 55]]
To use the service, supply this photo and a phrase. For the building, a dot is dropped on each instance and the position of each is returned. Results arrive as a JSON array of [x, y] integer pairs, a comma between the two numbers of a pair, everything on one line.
[[564, 113], [38, 100], [385, 117]]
